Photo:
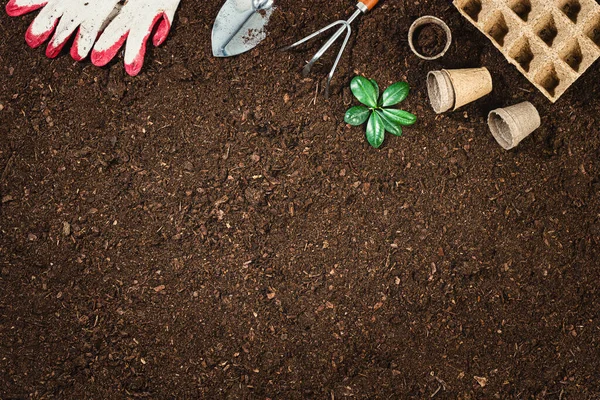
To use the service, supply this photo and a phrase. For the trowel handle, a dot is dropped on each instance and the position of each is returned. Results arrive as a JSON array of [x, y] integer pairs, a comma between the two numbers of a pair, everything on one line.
[[367, 5]]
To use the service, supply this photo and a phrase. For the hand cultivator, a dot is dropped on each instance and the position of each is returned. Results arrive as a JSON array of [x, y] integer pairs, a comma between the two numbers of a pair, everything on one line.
[[363, 7]]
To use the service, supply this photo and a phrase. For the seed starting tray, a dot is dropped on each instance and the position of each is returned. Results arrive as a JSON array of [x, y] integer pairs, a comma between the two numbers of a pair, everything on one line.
[[552, 42]]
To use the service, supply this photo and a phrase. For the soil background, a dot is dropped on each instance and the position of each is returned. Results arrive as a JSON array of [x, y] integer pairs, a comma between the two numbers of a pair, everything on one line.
[[212, 229]]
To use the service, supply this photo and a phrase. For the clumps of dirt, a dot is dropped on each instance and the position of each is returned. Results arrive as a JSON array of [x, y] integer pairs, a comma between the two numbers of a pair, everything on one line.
[[212, 229]]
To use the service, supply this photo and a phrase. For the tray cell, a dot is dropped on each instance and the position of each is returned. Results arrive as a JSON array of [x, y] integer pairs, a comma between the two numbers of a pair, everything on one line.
[[521, 7], [546, 29], [497, 28]]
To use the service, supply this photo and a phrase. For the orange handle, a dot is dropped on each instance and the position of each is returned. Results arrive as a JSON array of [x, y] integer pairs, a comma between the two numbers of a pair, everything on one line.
[[369, 3]]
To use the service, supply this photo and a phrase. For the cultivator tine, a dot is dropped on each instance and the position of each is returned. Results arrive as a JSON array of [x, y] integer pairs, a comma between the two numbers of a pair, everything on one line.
[[312, 35], [337, 59], [327, 44]]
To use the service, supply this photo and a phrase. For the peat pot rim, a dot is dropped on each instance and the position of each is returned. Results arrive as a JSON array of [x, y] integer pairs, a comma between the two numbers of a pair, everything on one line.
[[426, 20]]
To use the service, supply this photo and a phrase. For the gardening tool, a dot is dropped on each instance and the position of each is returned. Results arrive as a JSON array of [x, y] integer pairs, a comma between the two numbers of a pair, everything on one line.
[[239, 26], [363, 7]]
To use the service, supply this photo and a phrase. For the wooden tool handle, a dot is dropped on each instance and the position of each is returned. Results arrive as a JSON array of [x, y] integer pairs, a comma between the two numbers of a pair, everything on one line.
[[369, 3]]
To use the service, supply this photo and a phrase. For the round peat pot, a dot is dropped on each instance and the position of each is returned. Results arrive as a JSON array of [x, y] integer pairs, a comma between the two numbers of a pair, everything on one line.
[[450, 89], [428, 25], [440, 90], [512, 124]]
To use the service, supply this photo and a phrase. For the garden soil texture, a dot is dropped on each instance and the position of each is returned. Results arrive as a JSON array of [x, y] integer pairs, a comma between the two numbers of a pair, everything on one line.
[[212, 229]]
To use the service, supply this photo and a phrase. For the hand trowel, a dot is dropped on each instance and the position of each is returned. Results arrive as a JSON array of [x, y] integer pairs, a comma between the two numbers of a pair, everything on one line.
[[240, 26]]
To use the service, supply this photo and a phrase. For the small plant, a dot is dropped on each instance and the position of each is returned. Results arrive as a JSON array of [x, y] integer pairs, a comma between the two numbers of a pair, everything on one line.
[[380, 119]]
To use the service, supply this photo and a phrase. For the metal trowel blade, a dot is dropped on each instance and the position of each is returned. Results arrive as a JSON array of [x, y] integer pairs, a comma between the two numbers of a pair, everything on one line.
[[238, 28]]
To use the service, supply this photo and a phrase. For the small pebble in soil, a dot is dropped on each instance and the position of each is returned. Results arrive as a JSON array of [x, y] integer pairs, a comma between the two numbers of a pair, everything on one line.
[[429, 40], [188, 166], [66, 228], [482, 381]]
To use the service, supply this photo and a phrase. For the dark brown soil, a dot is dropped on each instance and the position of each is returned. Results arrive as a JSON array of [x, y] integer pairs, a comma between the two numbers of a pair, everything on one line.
[[429, 40], [212, 229]]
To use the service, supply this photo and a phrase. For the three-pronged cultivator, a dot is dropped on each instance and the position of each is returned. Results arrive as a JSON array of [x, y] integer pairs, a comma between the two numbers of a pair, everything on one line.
[[363, 7]]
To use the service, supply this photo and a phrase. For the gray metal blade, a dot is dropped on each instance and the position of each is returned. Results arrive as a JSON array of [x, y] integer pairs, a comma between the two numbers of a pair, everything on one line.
[[238, 28]]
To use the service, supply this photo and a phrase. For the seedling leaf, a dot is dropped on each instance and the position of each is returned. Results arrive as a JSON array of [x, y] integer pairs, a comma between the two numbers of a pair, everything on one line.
[[389, 125], [399, 117], [357, 115], [376, 86], [375, 131], [395, 94], [364, 91]]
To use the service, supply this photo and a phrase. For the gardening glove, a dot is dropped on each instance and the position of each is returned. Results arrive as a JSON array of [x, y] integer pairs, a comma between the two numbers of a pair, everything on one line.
[[134, 24], [63, 17]]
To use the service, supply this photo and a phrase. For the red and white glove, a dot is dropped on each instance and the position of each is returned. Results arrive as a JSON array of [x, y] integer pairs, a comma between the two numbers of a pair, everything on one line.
[[134, 24], [63, 17]]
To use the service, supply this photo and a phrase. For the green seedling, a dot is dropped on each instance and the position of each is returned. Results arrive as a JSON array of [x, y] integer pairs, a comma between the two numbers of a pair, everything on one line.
[[379, 119]]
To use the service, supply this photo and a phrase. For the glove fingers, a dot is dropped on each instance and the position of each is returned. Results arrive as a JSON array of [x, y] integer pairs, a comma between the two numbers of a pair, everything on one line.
[[163, 28], [63, 32], [135, 49], [16, 8], [110, 41], [78, 49], [43, 25], [54, 48], [83, 43], [91, 27], [35, 37]]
